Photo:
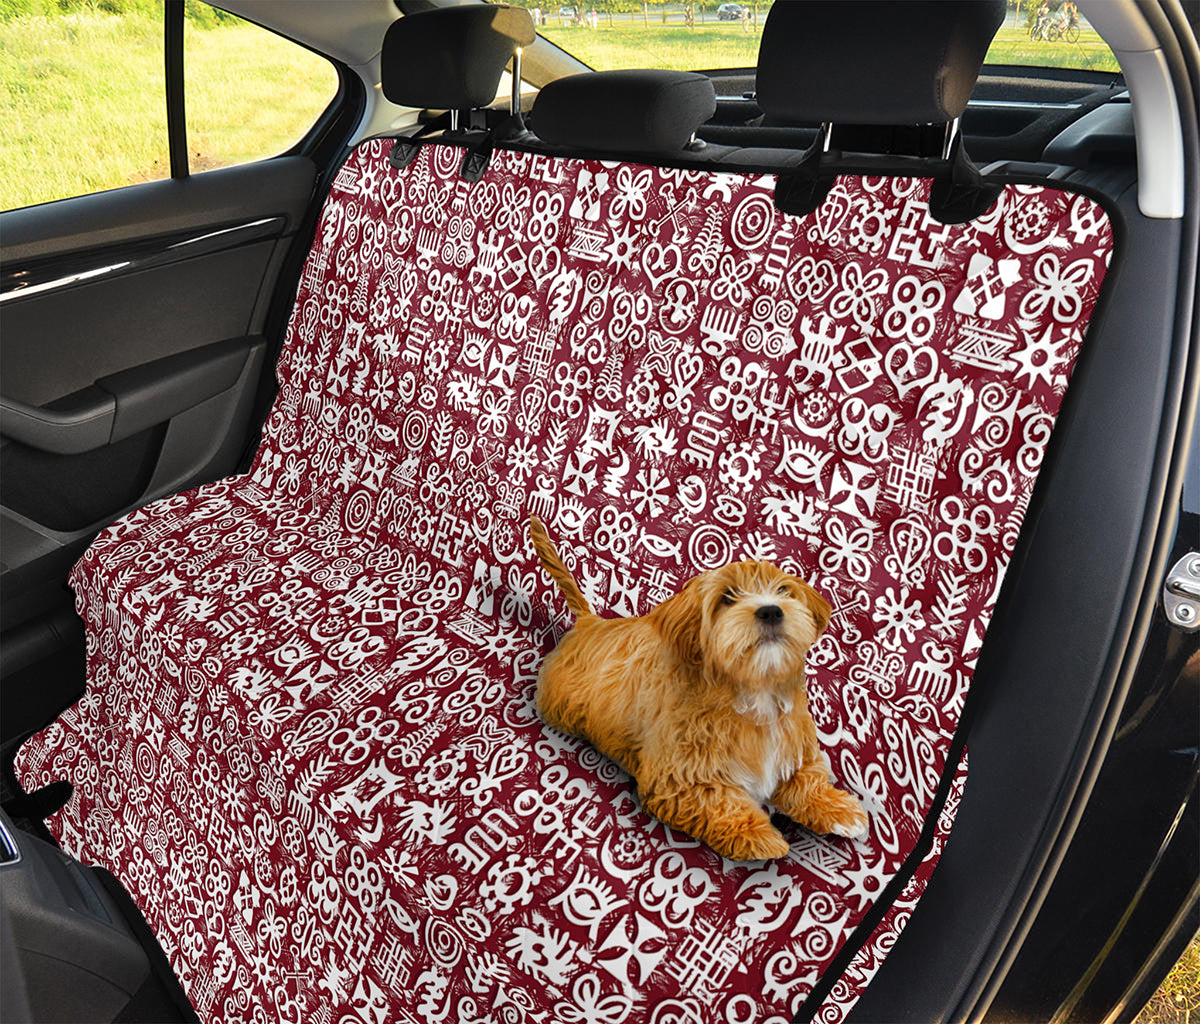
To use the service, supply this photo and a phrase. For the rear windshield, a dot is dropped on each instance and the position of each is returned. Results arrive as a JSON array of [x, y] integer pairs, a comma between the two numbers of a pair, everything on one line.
[[613, 34]]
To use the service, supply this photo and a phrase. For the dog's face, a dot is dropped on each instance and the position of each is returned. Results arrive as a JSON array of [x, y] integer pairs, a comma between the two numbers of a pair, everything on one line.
[[748, 622]]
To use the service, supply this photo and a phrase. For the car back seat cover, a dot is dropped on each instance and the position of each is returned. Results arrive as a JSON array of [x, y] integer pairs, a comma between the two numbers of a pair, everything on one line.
[[308, 745]]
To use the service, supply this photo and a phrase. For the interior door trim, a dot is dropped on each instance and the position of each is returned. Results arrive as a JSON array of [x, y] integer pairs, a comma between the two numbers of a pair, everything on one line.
[[62, 272]]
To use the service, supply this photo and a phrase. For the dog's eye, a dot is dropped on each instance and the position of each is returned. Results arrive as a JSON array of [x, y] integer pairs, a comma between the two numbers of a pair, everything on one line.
[[781, 589], [728, 597]]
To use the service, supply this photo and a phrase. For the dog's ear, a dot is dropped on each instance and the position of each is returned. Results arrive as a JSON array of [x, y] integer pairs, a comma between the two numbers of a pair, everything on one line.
[[679, 620], [818, 607]]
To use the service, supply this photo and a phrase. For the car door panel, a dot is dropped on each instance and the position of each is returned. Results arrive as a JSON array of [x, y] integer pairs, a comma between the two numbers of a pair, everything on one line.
[[131, 361], [122, 404], [157, 208], [207, 280]]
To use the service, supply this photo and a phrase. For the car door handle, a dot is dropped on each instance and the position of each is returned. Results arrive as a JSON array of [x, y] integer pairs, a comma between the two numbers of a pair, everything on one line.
[[122, 404]]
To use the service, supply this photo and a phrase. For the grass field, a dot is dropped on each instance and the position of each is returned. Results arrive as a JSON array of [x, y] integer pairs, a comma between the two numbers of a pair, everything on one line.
[[630, 44], [82, 106], [1178, 999], [1013, 46]]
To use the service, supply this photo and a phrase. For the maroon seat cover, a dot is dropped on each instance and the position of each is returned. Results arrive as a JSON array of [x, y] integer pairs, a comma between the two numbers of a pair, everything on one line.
[[308, 746]]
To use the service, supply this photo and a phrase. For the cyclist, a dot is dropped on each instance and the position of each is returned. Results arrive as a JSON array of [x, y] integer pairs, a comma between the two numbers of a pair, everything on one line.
[[1069, 15], [1042, 18]]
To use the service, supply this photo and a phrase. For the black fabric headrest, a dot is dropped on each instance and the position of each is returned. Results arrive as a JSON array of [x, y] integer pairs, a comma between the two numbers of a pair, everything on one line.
[[873, 61], [453, 57], [623, 111]]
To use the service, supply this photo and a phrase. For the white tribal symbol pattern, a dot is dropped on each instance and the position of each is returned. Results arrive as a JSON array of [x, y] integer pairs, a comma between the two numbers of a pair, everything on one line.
[[307, 746]]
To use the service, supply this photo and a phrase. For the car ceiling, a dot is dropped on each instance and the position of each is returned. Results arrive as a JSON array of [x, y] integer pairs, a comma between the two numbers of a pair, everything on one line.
[[350, 31]]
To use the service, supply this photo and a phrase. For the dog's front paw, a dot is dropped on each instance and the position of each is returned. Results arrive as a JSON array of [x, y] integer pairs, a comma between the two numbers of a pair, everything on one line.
[[852, 823], [809, 800], [760, 841]]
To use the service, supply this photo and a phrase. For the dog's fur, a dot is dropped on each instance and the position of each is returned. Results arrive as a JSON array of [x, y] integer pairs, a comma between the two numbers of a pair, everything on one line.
[[703, 702]]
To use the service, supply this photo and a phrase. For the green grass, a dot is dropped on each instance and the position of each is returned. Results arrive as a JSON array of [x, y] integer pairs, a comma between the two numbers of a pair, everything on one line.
[[633, 45], [1091, 53], [82, 106], [630, 44], [1178, 999], [250, 94], [66, 126]]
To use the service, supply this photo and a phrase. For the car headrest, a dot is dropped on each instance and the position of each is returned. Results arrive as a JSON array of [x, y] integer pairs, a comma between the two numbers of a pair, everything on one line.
[[451, 58], [880, 62], [623, 111]]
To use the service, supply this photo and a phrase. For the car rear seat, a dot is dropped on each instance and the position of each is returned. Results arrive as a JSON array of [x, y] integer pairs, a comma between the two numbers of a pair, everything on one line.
[[308, 747]]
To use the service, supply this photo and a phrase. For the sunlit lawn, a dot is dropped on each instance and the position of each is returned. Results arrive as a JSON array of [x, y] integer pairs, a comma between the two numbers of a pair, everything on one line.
[[1013, 46], [1178, 999], [632, 44], [82, 106]]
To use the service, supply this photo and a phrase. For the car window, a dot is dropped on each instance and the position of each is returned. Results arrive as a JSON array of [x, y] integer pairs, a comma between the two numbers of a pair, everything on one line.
[[249, 93], [689, 36], [83, 106]]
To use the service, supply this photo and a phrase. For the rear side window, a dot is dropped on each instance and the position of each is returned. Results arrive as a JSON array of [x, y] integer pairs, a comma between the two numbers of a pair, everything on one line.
[[249, 93], [83, 104], [710, 36]]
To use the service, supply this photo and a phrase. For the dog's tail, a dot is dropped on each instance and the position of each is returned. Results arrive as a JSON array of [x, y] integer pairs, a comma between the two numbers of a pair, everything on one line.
[[553, 564]]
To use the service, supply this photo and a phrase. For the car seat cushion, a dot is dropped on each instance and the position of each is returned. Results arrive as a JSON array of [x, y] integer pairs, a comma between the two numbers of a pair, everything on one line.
[[308, 745]]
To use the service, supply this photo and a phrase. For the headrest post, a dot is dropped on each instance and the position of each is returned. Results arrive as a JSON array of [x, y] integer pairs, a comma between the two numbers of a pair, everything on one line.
[[826, 135], [453, 119], [514, 105], [948, 140]]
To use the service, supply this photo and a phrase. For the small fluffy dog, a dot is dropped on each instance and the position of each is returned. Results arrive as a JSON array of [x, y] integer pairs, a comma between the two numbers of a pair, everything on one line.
[[703, 702]]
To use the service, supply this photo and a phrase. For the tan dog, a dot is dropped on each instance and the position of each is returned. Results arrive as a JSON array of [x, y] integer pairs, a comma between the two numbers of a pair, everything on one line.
[[703, 702]]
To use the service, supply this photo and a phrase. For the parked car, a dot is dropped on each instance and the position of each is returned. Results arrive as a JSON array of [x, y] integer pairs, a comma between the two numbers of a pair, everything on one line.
[[730, 12], [142, 326]]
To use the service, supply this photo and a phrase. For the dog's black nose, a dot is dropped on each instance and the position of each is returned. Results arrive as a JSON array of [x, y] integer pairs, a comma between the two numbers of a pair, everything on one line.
[[769, 613]]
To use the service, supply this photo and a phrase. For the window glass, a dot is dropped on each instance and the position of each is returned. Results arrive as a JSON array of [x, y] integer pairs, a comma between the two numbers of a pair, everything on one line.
[[682, 37], [83, 103], [249, 93], [1050, 33], [82, 107], [706, 35]]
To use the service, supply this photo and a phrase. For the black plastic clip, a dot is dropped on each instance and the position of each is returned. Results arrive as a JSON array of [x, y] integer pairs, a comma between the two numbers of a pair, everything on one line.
[[403, 153], [961, 195], [800, 194], [475, 162], [802, 189]]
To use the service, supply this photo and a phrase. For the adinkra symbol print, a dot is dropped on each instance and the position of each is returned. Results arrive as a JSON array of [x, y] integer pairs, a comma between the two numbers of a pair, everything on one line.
[[333, 667]]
